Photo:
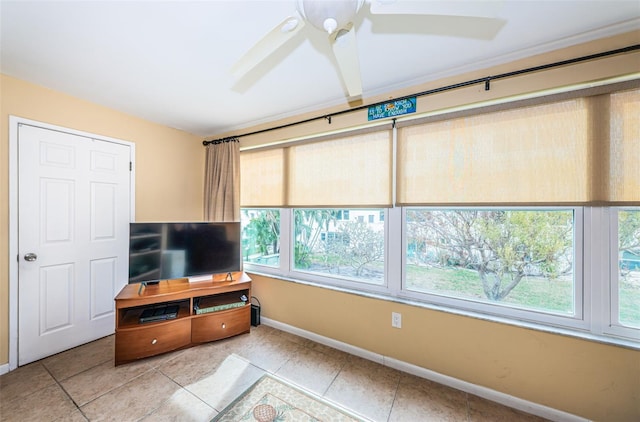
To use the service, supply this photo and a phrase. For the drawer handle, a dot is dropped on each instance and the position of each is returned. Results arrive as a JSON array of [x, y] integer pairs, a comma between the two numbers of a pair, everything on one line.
[[224, 325], [154, 341]]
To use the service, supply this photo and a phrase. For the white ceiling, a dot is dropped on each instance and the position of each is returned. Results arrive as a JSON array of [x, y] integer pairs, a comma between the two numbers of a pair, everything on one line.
[[169, 62]]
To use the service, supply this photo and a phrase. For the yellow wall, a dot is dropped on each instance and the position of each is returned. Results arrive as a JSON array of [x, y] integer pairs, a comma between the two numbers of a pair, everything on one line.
[[169, 163], [585, 378]]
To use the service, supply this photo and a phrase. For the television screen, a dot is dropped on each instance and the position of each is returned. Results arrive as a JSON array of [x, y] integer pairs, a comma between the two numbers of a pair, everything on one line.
[[162, 251]]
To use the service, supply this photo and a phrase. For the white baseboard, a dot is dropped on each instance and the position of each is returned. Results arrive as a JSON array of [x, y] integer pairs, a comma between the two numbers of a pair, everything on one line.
[[4, 368], [477, 390]]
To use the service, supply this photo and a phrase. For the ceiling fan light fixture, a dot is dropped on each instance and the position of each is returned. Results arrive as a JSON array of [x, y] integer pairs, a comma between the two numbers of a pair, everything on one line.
[[330, 25], [329, 15]]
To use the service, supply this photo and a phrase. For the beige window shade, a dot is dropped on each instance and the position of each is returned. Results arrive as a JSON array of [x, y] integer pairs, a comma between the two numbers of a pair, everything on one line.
[[535, 155], [624, 168], [263, 178], [582, 148], [348, 171]]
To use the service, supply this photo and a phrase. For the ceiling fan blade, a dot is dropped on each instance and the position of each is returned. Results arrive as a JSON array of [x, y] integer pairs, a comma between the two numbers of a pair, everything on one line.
[[476, 8], [279, 35], [470, 19], [345, 49]]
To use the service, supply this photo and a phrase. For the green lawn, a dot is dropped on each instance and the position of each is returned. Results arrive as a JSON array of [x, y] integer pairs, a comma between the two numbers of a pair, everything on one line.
[[532, 292], [630, 300], [535, 293]]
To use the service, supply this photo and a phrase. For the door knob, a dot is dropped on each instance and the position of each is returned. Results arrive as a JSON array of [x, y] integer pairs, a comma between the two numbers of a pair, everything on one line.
[[30, 257]]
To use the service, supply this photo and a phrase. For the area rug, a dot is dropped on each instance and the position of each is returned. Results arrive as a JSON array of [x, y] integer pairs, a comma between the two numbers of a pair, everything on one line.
[[273, 400]]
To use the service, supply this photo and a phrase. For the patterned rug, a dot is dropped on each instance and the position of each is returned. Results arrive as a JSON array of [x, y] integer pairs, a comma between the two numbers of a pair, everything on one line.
[[273, 400]]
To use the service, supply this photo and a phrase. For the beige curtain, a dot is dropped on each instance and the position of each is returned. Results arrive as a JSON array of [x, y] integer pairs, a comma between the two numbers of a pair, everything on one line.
[[624, 154], [576, 151], [263, 178], [350, 171], [571, 148], [222, 181], [346, 170], [529, 155]]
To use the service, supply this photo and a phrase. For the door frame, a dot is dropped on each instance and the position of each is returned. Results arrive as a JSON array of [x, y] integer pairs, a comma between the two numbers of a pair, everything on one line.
[[14, 123]]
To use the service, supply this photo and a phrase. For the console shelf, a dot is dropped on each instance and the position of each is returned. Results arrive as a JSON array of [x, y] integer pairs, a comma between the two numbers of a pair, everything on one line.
[[225, 315]]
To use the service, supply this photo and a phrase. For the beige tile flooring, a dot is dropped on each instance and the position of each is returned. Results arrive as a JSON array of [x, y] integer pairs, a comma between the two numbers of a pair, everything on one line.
[[195, 384]]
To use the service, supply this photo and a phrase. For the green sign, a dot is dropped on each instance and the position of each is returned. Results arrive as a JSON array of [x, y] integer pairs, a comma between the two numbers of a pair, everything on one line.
[[393, 108]]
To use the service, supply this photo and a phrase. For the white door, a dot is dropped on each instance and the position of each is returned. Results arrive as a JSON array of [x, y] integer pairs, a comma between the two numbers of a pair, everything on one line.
[[73, 229]]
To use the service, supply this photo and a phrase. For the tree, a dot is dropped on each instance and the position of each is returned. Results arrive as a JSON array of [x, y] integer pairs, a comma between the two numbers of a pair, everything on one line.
[[359, 245], [629, 230], [263, 231], [309, 223], [503, 246], [628, 237]]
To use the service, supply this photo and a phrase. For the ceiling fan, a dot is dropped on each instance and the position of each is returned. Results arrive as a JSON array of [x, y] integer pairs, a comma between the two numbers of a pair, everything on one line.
[[336, 18]]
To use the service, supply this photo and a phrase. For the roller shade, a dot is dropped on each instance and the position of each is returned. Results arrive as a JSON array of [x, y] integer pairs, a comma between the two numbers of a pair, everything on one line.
[[568, 149], [263, 178], [624, 165], [349, 170], [534, 155]]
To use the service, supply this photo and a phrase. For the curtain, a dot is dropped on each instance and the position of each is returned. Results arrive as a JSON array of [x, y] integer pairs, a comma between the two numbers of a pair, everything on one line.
[[263, 178], [530, 155], [624, 154], [352, 169], [574, 148], [222, 181], [575, 151]]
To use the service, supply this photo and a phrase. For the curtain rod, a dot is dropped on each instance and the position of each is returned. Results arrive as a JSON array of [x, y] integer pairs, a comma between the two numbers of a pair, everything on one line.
[[222, 141], [486, 80]]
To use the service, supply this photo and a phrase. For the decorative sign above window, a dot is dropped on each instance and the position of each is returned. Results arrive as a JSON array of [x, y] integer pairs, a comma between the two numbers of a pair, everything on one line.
[[393, 108]]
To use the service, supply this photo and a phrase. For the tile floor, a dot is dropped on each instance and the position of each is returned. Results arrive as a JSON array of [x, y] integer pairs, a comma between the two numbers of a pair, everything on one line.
[[194, 384]]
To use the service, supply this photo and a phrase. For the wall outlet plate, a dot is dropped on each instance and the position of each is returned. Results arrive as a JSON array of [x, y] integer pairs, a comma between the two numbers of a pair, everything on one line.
[[396, 319]]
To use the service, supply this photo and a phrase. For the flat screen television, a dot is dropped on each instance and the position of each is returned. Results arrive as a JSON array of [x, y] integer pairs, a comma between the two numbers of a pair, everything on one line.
[[163, 251]]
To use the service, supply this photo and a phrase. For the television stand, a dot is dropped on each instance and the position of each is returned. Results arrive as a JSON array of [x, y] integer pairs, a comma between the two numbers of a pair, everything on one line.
[[145, 284], [201, 312]]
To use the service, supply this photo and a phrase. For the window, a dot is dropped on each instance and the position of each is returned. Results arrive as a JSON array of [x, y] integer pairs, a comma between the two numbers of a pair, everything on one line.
[[510, 257], [327, 245], [472, 210], [261, 236], [627, 293], [342, 214]]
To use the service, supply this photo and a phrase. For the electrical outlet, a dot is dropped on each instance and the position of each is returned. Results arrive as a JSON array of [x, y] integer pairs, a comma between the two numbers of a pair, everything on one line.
[[396, 319]]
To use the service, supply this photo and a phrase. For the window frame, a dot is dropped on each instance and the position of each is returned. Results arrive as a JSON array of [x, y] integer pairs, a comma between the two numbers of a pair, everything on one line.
[[264, 268], [336, 281], [595, 239], [575, 321], [596, 284], [611, 310]]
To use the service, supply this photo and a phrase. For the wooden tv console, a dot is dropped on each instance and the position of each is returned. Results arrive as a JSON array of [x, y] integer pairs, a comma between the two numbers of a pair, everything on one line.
[[219, 314]]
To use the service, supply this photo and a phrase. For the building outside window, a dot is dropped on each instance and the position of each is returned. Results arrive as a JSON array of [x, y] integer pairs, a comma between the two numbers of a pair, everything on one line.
[[351, 249]]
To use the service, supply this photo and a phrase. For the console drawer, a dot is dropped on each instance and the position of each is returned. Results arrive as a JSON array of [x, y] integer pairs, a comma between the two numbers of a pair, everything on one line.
[[222, 324], [135, 343]]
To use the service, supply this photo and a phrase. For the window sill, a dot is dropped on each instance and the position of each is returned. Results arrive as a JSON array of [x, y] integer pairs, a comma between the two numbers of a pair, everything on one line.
[[612, 341]]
